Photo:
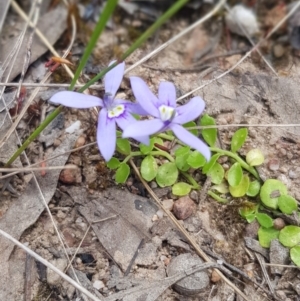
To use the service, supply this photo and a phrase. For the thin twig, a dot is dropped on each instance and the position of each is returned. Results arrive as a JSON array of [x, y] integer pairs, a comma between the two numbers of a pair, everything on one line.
[[26, 169]]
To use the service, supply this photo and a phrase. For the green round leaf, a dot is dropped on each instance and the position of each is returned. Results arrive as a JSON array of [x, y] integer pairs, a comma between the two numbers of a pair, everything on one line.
[[113, 163], [264, 220], [122, 173], [255, 157], [123, 146], [182, 155], [216, 173], [210, 164], [181, 188], [289, 236], [209, 135], [295, 255], [196, 160], [287, 204], [235, 174], [253, 189], [191, 124], [167, 174], [266, 235], [146, 149], [238, 139], [270, 192], [241, 189], [149, 168], [222, 187], [248, 211]]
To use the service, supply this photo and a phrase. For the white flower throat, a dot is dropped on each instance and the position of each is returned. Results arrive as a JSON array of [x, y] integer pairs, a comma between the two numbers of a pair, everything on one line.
[[166, 113], [113, 110]]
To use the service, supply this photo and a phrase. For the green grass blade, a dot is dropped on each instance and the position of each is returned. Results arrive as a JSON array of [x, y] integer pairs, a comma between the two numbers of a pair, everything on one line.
[[106, 14]]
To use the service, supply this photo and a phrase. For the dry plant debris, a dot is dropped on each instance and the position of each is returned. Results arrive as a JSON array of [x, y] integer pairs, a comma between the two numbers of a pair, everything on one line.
[[122, 244]]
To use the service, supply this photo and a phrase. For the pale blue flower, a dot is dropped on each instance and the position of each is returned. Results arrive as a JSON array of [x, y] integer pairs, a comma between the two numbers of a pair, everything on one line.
[[166, 115], [114, 111]]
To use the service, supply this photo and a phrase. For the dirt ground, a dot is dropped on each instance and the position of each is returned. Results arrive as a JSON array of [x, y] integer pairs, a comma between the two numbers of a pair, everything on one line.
[[122, 246]]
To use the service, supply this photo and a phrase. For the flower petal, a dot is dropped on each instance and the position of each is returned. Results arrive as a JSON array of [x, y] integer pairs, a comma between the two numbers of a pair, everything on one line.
[[131, 107], [113, 78], [143, 128], [125, 120], [167, 94], [191, 140], [106, 135], [76, 100], [144, 96], [189, 111]]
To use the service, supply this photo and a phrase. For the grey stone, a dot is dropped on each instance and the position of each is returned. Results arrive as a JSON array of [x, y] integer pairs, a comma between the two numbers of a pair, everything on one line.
[[192, 284]]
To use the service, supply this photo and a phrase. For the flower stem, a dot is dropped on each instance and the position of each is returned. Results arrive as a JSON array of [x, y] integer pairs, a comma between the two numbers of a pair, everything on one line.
[[191, 180], [216, 197], [238, 159]]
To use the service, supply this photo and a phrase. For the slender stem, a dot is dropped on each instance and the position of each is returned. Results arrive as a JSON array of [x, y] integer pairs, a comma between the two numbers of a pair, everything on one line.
[[153, 153], [238, 159], [42, 126], [216, 197], [190, 179]]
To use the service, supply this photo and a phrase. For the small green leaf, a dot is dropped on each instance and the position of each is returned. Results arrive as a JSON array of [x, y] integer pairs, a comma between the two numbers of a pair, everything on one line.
[[270, 192], [209, 135], [123, 146], [181, 189], [182, 155], [216, 173], [255, 157], [295, 255], [149, 168], [191, 124], [122, 173], [266, 235], [158, 140], [235, 174], [210, 164], [222, 187], [290, 236], [287, 204], [146, 149], [196, 160], [241, 189], [264, 220], [238, 139], [250, 218], [167, 174], [253, 189], [113, 163]]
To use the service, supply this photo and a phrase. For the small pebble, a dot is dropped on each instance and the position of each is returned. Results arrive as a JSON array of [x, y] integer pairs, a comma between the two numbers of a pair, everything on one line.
[[155, 218], [292, 174], [168, 204], [272, 141], [215, 277], [80, 142], [160, 214], [98, 284], [283, 151], [153, 184], [194, 196], [278, 223], [184, 207], [273, 164], [278, 50]]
